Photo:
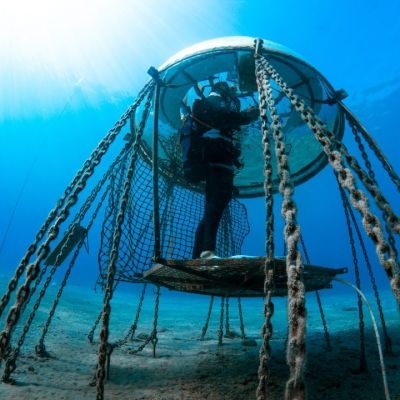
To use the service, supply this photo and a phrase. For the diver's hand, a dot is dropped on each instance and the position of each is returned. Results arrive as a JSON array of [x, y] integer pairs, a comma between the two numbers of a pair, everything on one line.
[[252, 112]]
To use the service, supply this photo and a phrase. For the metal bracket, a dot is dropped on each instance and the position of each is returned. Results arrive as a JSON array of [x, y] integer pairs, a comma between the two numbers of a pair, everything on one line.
[[258, 44], [153, 72]]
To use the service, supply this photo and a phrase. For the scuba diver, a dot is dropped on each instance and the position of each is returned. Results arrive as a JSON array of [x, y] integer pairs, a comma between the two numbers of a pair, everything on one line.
[[211, 154]]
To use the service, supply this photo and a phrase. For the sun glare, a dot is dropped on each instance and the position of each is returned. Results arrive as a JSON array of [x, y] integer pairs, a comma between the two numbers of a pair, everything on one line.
[[48, 47]]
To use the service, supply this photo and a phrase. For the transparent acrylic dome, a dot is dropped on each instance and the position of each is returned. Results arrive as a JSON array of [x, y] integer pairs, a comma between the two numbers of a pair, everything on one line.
[[231, 59]]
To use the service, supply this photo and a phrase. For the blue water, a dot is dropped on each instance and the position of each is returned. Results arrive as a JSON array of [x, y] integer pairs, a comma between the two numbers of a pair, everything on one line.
[[67, 78]]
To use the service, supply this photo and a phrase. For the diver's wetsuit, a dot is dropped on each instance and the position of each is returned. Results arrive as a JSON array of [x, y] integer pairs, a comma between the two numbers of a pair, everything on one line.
[[219, 188], [221, 157]]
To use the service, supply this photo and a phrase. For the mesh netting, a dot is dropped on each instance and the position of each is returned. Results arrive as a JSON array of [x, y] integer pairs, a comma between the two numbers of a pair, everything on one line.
[[181, 210]]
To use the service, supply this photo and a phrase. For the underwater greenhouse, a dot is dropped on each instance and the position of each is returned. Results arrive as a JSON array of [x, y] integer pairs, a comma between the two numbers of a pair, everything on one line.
[[133, 186]]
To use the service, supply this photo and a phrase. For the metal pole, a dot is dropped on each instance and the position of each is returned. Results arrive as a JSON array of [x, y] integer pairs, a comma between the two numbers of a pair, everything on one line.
[[156, 210]]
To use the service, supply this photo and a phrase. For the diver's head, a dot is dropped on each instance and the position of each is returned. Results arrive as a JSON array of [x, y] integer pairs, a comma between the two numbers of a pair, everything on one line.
[[223, 88], [228, 93]]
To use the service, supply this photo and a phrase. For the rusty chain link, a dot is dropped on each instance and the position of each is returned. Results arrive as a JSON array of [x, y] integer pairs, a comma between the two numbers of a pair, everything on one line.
[[104, 332], [295, 387], [358, 198], [205, 327]]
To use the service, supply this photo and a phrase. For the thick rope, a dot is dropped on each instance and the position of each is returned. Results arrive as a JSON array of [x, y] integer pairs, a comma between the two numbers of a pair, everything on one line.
[[295, 387], [267, 328], [358, 198], [104, 332]]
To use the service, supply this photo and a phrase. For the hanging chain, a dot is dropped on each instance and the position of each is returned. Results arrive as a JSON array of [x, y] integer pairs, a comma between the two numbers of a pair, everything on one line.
[[132, 329], [227, 327], [44, 249], [363, 360], [319, 302], [96, 323], [205, 327], [242, 331], [358, 198], [40, 347], [80, 178], [267, 328], [353, 121], [11, 359], [364, 154], [10, 365], [112, 208], [104, 332], [295, 387], [154, 338], [221, 322], [388, 341], [371, 174]]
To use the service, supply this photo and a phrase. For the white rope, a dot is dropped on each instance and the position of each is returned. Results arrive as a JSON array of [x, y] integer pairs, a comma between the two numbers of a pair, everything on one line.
[[378, 340]]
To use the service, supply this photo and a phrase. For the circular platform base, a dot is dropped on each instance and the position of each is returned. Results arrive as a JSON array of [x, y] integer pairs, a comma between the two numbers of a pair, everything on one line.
[[233, 277]]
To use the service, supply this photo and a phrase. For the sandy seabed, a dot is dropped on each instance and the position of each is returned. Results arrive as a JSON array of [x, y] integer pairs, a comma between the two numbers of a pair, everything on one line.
[[188, 369]]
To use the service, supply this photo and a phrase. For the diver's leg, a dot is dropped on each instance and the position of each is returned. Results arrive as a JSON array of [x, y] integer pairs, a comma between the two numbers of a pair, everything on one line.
[[219, 188], [198, 240]]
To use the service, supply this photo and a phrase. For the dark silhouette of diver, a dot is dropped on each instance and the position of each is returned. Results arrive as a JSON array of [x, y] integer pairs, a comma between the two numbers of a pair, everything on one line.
[[214, 156]]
